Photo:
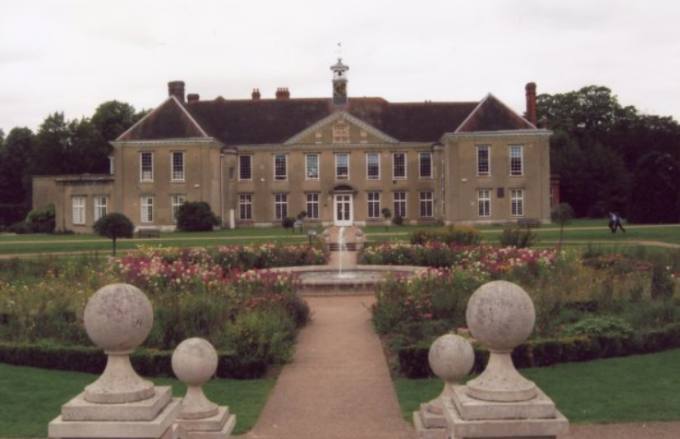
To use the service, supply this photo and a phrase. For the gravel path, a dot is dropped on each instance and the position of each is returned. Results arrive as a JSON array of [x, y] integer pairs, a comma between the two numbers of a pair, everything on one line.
[[338, 385]]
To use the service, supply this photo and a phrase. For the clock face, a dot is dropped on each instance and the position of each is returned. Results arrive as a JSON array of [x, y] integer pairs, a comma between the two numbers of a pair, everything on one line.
[[340, 87]]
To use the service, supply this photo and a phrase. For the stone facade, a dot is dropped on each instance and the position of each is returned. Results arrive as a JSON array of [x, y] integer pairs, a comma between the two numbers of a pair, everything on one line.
[[257, 160]]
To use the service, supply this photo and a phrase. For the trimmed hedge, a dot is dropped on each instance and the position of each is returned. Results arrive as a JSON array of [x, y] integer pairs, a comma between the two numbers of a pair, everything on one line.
[[413, 362], [146, 362]]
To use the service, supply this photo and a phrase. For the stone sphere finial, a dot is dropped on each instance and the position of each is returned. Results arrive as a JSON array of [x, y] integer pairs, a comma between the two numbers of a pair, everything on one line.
[[451, 357], [500, 315], [194, 362], [118, 317]]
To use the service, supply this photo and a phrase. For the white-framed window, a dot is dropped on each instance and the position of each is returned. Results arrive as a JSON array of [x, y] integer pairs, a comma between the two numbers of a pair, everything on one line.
[[100, 206], [177, 166], [112, 165], [516, 160], [483, 160], [313, 205], [281, 205], [78, 206], [146, 166], [373, 166], [373, 205], [484, 202], [176, 201], [312, 166], [425, 164], [146, 209], [517, 202], [280, 167], [400, 204], [342, 166], [245, 207], [399, 165], [426, 205], [245, 168]]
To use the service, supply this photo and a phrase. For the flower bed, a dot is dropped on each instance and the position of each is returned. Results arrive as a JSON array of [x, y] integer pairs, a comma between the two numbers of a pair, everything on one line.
[[250, 314], [616, 303]]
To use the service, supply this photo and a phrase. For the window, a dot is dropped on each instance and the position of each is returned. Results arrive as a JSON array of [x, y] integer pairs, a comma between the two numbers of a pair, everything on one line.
[[373, 166], [374, 205], [245, 171], [399, 165], [280, 167], [313, 205], [177, 164], [245, 207], [342, 166], [483, 161], [281, 205], [78, 205], [146, 166], [484, 202], [312, 166], [516, 160], [425, 165], [176, 201], [100, 206], [400, 204], [146, 209], [517, 202], [426, 204], [112, 164]]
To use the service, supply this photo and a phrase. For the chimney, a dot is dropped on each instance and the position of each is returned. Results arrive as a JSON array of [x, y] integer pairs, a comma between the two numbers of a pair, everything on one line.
[[255, 94], [531, 102], [282, 93], [193, 97], [176, 89]]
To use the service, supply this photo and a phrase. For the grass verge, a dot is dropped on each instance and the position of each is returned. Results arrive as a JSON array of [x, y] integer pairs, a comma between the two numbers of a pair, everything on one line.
[[630, 389], [30, 398]]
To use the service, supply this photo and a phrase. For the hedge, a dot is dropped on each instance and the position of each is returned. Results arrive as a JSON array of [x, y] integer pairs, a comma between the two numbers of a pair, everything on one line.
[[412, 360], [146, 362]]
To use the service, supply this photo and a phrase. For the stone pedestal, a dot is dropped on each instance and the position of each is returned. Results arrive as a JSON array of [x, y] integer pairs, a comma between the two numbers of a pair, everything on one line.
[[472, 418]]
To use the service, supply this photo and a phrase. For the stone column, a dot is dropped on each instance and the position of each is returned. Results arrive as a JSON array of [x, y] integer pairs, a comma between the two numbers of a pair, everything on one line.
[[501, 403], [194, 363], [451, 358], [120, 404]]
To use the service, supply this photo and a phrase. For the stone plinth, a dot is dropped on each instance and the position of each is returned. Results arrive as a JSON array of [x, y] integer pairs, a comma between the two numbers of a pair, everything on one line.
[[500, 403], [194, 363], [119, 404]]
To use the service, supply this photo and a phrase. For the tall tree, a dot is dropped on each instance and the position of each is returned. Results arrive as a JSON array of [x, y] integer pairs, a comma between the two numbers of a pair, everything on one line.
[[112, 118], [656, 189], [15, 180]]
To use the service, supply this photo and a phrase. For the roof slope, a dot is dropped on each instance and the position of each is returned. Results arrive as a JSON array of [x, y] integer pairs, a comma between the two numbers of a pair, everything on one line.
[[493, 115], [271, 121]]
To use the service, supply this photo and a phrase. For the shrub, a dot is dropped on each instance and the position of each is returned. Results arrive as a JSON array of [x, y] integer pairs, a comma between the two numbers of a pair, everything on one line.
[[20, 228], [114, 226], [288, 222], [196, 216], [516, 236], [599, 326], [397, 220], [41, 220], [662, 282], [459, 235]]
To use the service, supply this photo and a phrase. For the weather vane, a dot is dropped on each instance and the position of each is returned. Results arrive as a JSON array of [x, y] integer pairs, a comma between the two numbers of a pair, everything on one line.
[[339, 50]]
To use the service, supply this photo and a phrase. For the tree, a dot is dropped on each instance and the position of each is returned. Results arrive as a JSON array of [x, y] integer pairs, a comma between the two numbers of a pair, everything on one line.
[[15, 175], [114, 226], [655, 197], [196, 216], [562, 214], [113, 118]]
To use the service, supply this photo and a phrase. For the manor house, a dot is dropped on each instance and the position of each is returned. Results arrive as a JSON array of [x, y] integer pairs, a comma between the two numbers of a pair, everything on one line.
[[340, 159]]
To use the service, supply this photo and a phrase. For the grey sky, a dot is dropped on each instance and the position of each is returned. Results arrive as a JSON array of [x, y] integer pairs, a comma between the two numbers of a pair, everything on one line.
[[73, 55]]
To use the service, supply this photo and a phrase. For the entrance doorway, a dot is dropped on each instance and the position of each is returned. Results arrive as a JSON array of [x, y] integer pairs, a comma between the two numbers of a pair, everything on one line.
[[343, 214]]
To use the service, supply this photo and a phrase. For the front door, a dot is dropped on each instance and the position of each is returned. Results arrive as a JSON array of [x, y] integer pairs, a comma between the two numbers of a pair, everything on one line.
[[343, 214]]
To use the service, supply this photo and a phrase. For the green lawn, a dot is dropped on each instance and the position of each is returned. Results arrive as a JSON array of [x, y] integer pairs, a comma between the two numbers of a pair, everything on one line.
[[30, 398], [630, 389]]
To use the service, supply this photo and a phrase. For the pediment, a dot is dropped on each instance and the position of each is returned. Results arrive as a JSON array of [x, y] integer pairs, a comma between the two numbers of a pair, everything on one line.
[[340, 128]]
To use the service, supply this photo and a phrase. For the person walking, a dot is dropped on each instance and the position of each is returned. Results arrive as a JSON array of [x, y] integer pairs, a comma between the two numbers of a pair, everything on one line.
[[615, 222]]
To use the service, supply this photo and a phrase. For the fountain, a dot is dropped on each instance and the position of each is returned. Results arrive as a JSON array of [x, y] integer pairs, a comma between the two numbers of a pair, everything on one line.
[[345, 276]]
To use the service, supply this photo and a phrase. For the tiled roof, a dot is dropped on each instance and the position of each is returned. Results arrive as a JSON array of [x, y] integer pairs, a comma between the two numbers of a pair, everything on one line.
[[493, 115], [267, 121]]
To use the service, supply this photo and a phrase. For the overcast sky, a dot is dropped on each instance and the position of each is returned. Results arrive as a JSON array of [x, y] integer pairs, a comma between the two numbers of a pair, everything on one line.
[[71, 56]]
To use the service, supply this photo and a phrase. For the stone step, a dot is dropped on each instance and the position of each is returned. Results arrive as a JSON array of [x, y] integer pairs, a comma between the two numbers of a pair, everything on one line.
[[350, 247]]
